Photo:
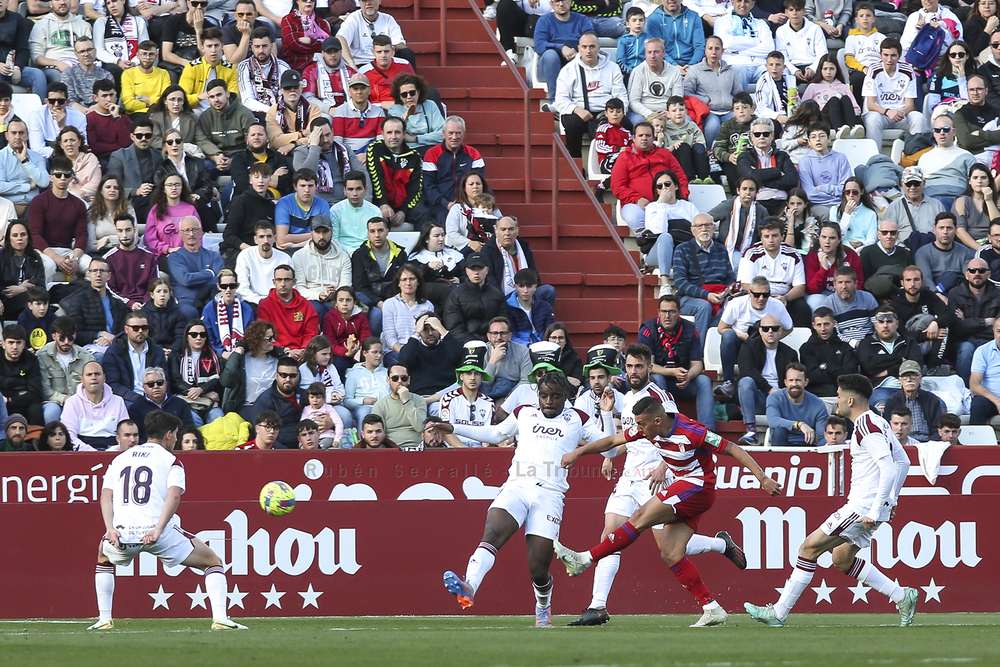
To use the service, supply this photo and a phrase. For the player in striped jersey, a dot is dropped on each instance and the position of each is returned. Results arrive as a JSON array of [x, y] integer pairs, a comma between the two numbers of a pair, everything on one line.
[[687, 447], [878, 469]]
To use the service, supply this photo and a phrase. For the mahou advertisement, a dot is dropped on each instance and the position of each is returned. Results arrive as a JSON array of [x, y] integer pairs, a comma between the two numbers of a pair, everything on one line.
[[372, 533]]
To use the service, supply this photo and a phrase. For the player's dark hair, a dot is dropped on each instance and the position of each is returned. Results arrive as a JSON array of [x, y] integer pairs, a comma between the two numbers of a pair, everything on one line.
[[646, 405], [639, 351], [948, 420], [863, 5], [671, 298], [837, 420], [856, 384], [268, 418], [125, 422], [261, 33], [262, 169], [303, 175], [288, 362], [886, 308], [614, 102], [103, 85], [158, 423], [199, 439], [634, 11], [14, 332], [900, 410], [795, 4], [355, 175], [890, 43], [773, 224], [615, 330], [558, 381], [743, 98], [263, 225]]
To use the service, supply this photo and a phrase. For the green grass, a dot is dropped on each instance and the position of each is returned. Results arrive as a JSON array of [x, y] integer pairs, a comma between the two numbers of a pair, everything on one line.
[[843, 640]]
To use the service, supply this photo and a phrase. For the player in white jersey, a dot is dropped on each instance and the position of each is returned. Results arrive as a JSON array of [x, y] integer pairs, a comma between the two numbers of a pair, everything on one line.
[[644, 474], [141, 492], [878, 470], [533, 494]]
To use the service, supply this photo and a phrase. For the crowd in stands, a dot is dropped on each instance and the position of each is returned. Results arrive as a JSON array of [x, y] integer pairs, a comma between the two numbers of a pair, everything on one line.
[[309, 138]]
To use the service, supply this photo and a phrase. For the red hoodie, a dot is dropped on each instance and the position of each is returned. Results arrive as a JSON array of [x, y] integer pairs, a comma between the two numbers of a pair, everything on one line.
[[633, 173], [295, 323], [337, 329]]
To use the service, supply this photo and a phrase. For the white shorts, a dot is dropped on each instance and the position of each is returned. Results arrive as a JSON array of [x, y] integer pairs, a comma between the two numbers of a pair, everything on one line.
[[533, 506], [173, 548], [629, 495], [846, 523]]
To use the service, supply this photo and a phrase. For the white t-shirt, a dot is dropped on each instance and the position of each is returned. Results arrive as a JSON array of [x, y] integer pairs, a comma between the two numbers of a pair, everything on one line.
[[140, 478], [784, 272], [770, 370], [64, 359], [878, 467], [740, 315], [890, 92], [659, 214], [525, 393], [358, 33], [587, 402]]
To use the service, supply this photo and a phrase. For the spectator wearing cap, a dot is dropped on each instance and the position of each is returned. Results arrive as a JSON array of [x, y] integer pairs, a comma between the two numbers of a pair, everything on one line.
[[542, 356], [396, 177], [403, 411], [914, 212], [797, 418], [432, 354], [295, 320], [225, 122], [466, 403], [678, 361], [925, 407], [15, 433], [357, 122], [259, 75], [20, 376], [444, 166], [601, 366], [331, 160], [289, 118], [508, 362], [193, 268], [293, 213], [383, 68], [471, 305], [321, 266], [210, 66], [326, 79]]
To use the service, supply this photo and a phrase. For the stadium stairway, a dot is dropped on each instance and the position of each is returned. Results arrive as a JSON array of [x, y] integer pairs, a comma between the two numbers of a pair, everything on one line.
[[577, 250]]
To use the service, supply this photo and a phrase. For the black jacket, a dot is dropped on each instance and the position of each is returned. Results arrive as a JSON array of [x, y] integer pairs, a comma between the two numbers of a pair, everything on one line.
[[85, 307], [272, 399], [753, 356], [932, 407], [874, 357], [991, 73], [14, 33], [234, 379], [208, 378], [245, 211], [782, 176], [570, 364], [20, 382], [198, 180], [974, 311], [166, 325], [118, 369], [10, 276], [172, 405], [369, 279], [397, 179], [825, 361], [469, 309], [494, 261], [929, 303], [240, 169], [431, 368]]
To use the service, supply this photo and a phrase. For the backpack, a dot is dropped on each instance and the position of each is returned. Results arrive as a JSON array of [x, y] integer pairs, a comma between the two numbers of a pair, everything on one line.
[[926, 47]]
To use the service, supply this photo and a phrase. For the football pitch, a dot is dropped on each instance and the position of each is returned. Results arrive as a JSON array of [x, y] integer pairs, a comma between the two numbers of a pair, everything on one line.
[[841, 640]]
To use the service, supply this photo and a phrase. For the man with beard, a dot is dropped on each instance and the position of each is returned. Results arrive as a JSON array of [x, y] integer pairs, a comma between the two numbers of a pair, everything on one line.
[[402, 412], [467, 404], [762, 359], [282, 397], [326, 79], [329, 159], [977, 302], [258, 152], [97, 311], [16, 433], [797, 418], [53, 37], [825, 356], [81, 77], [61, 363], [935, 321], [971, 119], [880, 355], [211, 66], [295, 320], [322, 266], [225, 123], [130, 354], [133, 269], [289, 118], [246, 210], [397, 178], [259, 76], [256, 264]]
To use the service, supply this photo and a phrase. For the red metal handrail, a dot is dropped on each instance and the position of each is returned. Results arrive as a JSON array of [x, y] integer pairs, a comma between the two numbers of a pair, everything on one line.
[[559, 150]]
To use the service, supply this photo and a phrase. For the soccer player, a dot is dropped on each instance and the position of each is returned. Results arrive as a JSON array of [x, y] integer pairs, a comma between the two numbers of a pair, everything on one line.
[[533, 494], [687, 447], [878, 470], [644, 474], [142, 490]]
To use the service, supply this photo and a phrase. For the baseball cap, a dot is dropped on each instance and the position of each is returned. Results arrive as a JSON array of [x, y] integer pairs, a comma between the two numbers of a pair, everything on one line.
[[909, 367], [474, 260], [290, 79], [358, 79], [913, 175], [321, 220], [332, 43]]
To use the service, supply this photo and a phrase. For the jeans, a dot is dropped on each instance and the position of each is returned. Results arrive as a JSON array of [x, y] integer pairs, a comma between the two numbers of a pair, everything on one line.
[[879, 396], [345, 415], [981, 411], [752, 400], [374, 314], [712, 124], [748, 74], [52, 75], [662, 253], [213, 414], [699, 389], [816, 300], [634, 216], [546, 293], [701, 311], [729, 350], [498, 389], [35, 79], [52, 412], [635, 117], [322, 309], [963, 361], [875, 123], [608, 26], [549, 64], [360, 413]]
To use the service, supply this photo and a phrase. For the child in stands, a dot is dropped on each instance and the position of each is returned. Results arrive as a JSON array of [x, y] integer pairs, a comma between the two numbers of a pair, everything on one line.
[[839, 108], [862, 47], [734, 137], [609, 141], [686, 141], [37, 318], [632, 45]]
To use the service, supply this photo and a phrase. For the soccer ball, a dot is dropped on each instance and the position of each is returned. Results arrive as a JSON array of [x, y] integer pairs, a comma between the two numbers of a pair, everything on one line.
[[277, 498]]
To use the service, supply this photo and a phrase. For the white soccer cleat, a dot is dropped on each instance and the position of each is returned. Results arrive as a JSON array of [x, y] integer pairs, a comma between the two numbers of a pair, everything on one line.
[[228, 624], [711, 618], [576, 563], [908, 607], [103, 625]]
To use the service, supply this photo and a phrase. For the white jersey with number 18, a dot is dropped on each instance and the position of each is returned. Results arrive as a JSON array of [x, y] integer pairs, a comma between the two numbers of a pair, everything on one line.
[[139, 479]]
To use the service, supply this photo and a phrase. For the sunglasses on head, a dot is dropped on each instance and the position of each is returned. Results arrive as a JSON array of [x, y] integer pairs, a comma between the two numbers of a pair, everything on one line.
[[155, 383], [399, 378], [770, 327]]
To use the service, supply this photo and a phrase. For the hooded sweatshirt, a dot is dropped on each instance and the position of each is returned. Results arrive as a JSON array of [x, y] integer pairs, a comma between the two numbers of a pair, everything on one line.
[[823, 176], [315, 272], [603, 81], [861, 49], [93, 421], [53, 37], [295, 323]]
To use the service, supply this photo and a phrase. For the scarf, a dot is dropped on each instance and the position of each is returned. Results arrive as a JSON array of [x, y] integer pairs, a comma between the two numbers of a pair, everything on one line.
[[324, 175], [229, 332], [511, 265], [121, 39], [205, 370], [301, 115], [746, 26], [324, 83], [734, 240], [668, 341], [265, 88], [480, 224], [311, 27]]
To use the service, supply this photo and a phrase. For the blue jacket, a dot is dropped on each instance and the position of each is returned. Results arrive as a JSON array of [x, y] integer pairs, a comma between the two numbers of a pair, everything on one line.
[[684, 36], [551, 33], [118, 367], [522, 330], [211, 319], [191, 271], [631, 50]]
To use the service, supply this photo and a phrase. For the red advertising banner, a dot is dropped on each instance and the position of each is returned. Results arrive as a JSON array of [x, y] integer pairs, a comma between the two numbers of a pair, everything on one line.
[[372, 533]]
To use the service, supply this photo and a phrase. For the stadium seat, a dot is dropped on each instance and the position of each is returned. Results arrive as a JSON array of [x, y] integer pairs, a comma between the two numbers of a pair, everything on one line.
[[618, 213], [593, 163], [535, 80], [713, 348], [896, 153], [706, 197], [978, 435], [767, 438], [24, 103], [798, 336], [405, 240], [858, 151]]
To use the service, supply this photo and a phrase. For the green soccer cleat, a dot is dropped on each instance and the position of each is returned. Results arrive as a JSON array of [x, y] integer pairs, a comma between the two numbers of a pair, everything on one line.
[[764, 615], [576, 563], [228, 624], [908, 607], [103, 625]]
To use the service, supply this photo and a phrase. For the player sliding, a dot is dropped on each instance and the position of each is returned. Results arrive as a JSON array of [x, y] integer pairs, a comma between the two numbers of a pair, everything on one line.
[[644, 474], [533, 494], [687, 447], [878, 470], [142, 490]]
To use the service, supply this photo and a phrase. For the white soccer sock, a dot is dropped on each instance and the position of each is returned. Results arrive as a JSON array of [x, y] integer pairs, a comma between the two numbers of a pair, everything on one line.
[[702, 544], [218, 591], [480, 563], [870, 575], [800, 577], [104, 583], [604, 577], [543, 594]]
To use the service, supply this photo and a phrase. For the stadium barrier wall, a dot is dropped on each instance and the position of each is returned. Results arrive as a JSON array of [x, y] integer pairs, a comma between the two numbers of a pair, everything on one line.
[[372, 532]]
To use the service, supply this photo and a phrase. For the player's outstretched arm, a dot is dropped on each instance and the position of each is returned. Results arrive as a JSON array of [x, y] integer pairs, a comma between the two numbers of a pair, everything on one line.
[[108, 512], [595, 447], [487, 434], [770, 486], [170, 506]]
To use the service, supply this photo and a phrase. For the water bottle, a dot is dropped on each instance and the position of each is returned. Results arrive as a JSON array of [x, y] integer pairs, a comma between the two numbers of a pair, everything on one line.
[[793, 100], [828, 17], [10, 59], [347, 440]]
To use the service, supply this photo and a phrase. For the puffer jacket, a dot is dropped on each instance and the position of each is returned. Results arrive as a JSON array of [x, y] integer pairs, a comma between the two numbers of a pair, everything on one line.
[[166, 325], [469, 309], [85, 307]]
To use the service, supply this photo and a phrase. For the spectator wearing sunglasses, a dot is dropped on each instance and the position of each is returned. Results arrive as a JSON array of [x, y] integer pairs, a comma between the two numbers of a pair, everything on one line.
[[881, 354], [772, 168], [978, 300], [131, 353], [947, 165], [763, 360], [156, 397], [283, 398], [58, 223], [402, 412], [886, 251], [136, 167], [60, 381], [226, 316], [45, 123]]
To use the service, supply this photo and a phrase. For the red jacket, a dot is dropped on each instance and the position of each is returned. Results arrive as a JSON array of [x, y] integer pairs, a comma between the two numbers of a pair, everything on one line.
[[382, 80], [818, 280], [337, 329], [295, 323], [632, 175]]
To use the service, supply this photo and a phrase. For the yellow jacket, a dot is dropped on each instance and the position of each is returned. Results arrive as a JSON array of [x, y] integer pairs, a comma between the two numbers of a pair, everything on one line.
[[134, 82], [195, 76]]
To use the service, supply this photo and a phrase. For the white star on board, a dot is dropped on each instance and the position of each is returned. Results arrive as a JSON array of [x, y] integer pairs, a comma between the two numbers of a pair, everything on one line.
[[273, 597], [160, 598], [236, 597], [310, 597], [781, 591], [823, 592], [198, 597], [860, 592], [933, 591]]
